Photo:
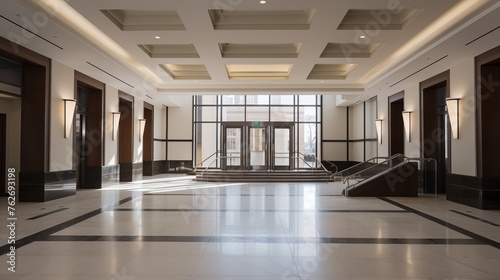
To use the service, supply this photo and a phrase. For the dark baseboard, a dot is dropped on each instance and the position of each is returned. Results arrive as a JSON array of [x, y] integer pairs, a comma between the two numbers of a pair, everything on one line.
[[179, 166], [482, 193], [151, 168], [130, 172], [41, 187]]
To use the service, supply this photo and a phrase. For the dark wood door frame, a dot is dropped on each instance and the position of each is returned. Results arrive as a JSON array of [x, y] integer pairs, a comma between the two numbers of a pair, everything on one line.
[[148, 144], [485, 86], [126, 137], [3, 158], [396, 126], [427, 142], [94, 129]]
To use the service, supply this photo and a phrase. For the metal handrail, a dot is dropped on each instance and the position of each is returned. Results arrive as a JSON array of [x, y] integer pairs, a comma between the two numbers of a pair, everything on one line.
[[366, 161], [317, 161], [215, 160], [381, 173], [199, 165], [405, 159]]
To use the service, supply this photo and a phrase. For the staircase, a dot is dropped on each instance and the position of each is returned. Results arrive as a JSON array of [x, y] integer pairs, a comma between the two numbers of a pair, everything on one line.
[[264, 176]]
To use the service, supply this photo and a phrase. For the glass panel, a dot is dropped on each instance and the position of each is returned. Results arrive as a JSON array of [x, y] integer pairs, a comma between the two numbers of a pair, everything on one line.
[[282, 114], [307, 114], [257, 114], [257, 99], [208, 100], [206, 114], [206, 143], [282, 147], [282, 99], [233, 146], [233, 99], [307, 100], [257, 147], [233, 114], [307, 144]]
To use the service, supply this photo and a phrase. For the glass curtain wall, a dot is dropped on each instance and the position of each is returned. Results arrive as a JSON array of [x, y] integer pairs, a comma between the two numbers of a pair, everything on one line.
[[211, 110]]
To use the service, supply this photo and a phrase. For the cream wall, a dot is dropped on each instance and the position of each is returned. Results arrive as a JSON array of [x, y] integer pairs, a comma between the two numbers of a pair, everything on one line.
[[160, 133], [412, 103], [138, 114], [356, 127], [463, 150], [62, 87], [334, 127], [180, 127], [110, 146], [383, 113], [12, 108]]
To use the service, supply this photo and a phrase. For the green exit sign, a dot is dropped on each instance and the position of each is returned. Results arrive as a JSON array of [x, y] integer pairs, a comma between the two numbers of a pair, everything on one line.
[[256, 123]]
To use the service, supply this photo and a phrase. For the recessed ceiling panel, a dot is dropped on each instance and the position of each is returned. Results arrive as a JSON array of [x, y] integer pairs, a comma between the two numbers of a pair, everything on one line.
[[258, 71], [170, 50], [135, 20], [376, 19], [229, 50], [186, 71], [330, 71], [336, 50], [261, 20]]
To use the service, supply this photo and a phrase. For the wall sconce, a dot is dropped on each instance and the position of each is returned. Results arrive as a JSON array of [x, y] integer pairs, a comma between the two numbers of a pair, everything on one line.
[[407, 124], [142, 126], [378, 126], [116, 124], [452, 104], [69, 114]]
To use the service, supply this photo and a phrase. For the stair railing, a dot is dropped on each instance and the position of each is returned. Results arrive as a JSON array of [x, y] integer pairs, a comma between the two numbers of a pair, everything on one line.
[[373, 160], [201, 163], [317, 161], [388, 160]]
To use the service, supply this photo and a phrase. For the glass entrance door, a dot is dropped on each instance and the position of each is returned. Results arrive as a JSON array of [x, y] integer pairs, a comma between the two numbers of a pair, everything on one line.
[[233, 149], [281, 148], [263, 146], [258, 148]]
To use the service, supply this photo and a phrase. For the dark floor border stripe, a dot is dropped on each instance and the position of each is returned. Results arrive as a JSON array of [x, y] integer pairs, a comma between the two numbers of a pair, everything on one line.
[[260, 239], [475, 218], [252, 210], [47, 232], [47, 214], [463, 231]]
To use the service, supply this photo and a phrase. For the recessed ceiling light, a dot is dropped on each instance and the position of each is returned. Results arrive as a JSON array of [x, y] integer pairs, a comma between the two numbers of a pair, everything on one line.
[[157, 37], [362, 37], [263, 1], [322, 81]]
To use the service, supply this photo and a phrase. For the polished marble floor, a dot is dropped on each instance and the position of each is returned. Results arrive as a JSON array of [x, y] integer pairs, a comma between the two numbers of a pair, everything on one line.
[[169, 227]]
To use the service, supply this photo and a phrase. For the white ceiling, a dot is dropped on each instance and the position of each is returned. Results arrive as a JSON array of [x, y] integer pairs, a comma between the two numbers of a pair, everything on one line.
[[236, 46]]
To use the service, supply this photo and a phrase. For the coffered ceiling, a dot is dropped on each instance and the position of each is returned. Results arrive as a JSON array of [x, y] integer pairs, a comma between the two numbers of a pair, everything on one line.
[[221, 46]]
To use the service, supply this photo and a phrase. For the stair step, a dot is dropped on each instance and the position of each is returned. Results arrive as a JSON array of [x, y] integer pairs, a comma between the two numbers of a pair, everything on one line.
[[264, 176]]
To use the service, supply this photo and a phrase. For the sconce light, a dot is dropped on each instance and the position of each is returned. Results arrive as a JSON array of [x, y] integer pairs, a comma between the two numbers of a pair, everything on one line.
[[116, 123], [142, 125], [453, 109], [69, 114], [378, 126], [407, 124]]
